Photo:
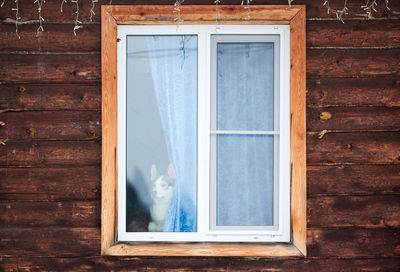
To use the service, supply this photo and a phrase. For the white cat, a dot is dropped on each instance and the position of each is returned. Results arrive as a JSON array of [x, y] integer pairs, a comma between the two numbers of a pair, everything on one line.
[[161, 195]]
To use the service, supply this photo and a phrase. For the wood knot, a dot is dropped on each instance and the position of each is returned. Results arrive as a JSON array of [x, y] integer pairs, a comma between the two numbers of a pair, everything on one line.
[[21, 89], [325, 115], [349, 146], [32, 132]]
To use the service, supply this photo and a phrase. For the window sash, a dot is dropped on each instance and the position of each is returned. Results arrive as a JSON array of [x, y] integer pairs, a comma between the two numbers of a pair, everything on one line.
[[203, 234]]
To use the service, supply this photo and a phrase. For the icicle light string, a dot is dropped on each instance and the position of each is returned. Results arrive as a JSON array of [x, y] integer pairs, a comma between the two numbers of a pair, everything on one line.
[[17, 18], [41, 19], [177, 10], [62, 4], [92, 9], [370, 6], [78, 24], [216, 2], [247, 7], [338, 12]]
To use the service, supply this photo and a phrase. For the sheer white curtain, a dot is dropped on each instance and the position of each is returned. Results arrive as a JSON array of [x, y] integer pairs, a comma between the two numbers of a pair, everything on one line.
[[245, 163], [173, 63]]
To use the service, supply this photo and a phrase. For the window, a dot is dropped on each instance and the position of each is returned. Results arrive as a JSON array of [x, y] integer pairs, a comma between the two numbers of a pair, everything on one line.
[[202, 115]]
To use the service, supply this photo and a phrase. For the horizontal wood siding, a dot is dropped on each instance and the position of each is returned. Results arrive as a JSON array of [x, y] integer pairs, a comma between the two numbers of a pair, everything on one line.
[[50, 149]]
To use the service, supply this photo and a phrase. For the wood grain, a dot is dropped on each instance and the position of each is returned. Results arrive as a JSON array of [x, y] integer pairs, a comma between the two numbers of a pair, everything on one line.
[[44, 184], [51, 125], [49, 242], [44, 214], [60, 38], [353, 179], [17, 68], [50, 97], [354, 211], [377, 148], [50, 153], [354, 118], [109, 129], [352, 62], [298, 130], [81, 242], [355, 242], [377, 91], [322, 211], [199, 264], [353, 33]]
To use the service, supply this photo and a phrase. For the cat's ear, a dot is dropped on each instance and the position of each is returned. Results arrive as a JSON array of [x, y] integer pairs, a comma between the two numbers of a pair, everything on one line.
[[171, 171], [154, 172]]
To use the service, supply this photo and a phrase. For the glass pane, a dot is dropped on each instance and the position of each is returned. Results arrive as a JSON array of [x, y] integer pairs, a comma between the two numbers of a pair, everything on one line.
[[245, 181], [245, 86], [161, 135]]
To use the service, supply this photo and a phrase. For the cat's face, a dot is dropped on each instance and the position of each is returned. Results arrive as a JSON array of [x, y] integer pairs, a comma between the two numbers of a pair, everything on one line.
[[162, 188]]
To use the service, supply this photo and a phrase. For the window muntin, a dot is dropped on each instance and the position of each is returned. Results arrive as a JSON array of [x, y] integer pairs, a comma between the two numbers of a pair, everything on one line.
[[204, 232]]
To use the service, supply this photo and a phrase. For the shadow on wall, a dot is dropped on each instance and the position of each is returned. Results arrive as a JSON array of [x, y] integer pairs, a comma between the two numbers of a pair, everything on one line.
[[137, 212]]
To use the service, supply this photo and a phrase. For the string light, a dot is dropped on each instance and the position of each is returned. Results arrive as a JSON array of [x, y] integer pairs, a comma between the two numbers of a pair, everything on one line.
[[41, 19], [338, 12], [370, 6], [92, 9], [17, 18], [62, 4], [177, 10], [78, 24], [216, 2], [247, 7]]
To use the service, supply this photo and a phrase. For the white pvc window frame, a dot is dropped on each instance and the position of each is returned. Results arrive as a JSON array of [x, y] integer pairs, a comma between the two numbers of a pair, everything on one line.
[[204, 232]]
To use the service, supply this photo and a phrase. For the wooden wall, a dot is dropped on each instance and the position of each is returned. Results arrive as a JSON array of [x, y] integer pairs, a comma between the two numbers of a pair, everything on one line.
[[50, 96]]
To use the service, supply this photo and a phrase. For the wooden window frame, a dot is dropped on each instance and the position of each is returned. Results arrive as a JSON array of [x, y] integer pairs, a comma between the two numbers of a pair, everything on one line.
[[112, 16]]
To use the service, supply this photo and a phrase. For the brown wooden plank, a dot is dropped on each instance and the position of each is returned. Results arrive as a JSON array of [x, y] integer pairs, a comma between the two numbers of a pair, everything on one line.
[[353, 242], [49, 242], [332, 211], [60, 38], [378, 91], [60, 213], [353, 33], [198, 264], [53, 68], [354, 211], [50, 97], [55, 38], [353, 179], [75, 183], [70, 242], [352, 62], [54, 125], [353, 118], [51, 9], [50, 153], [378, 147]]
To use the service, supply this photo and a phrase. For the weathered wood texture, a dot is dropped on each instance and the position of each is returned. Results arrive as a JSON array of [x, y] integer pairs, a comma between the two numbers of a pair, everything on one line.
[[50, 183]]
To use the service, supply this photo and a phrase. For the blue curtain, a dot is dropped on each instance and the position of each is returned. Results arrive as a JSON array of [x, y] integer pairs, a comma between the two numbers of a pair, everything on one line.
[[173, 63]]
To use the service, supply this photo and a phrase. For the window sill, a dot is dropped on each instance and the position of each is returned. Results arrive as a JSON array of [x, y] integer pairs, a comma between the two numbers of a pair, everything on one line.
[[203, 249]]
